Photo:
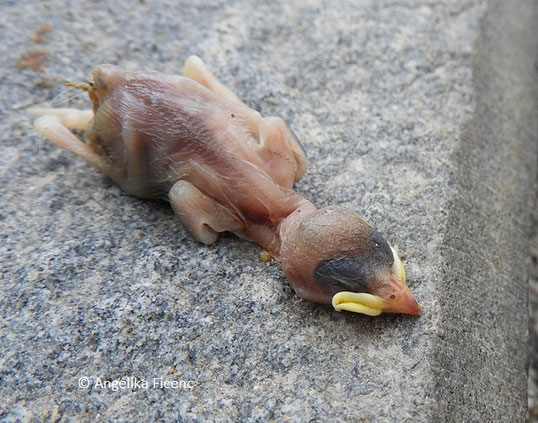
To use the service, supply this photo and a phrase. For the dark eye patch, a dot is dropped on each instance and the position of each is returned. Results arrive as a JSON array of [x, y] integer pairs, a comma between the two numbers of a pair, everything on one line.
[[380, 252], [353, 273], [342, 274]]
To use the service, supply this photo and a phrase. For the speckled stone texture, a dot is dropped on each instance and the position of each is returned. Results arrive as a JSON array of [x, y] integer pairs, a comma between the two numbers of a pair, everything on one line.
[[419, 115], [532, 412]]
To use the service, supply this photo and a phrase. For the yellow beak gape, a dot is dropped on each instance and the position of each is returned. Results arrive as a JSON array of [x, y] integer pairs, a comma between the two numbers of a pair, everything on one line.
[[358, 303]]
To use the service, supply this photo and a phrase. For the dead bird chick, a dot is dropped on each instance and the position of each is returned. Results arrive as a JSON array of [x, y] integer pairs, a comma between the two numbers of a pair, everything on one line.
[[224, 167]]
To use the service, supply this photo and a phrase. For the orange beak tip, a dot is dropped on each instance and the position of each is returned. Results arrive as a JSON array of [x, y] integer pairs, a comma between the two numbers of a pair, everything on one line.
[[418, 311], [407, 304], [410, 305]]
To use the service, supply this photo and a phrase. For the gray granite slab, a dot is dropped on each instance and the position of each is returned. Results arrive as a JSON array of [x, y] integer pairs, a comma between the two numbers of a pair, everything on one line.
[[532, 412], [419, 115]]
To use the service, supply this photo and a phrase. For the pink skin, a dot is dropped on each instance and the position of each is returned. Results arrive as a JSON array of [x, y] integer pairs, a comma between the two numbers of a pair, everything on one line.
[[223, 167]]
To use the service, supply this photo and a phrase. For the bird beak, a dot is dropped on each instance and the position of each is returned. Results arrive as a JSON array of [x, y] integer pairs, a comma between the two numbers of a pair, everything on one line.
[[400, 300], [374, 305], [405, 303], [393, 296]]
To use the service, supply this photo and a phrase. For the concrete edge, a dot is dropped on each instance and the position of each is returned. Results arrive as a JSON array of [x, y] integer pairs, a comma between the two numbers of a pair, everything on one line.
[[481, 356]]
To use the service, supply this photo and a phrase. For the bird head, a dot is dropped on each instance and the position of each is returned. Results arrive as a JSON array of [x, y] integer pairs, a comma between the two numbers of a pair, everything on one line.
[[333, 256]]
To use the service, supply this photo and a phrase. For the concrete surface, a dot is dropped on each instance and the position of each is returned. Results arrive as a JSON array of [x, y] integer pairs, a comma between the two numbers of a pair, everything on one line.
[[420, 115], [532, 412]]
